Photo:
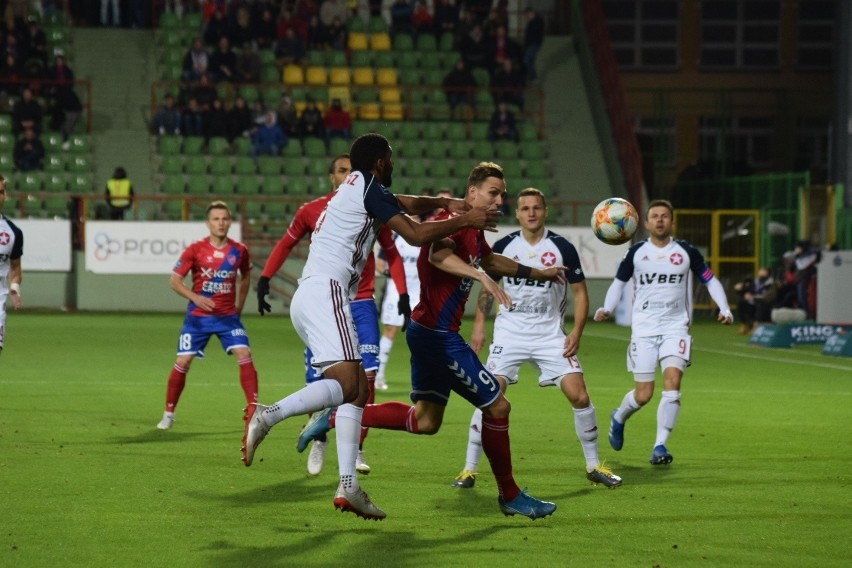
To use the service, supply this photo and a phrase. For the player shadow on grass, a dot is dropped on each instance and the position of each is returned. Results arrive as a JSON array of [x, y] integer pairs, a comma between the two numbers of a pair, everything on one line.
[[154, 436]]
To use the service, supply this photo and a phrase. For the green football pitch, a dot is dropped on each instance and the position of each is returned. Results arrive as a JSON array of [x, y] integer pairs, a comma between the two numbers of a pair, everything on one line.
[[761, 475]]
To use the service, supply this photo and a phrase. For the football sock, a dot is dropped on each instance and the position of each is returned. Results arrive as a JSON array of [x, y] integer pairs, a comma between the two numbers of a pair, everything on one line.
[[390, 416], [177, 380], [495, 444], [385, 346], [667, 413], [248, 379], [586, 426], [628, 407], [348, 429], [371, 398], [310, 398], [474, 442]]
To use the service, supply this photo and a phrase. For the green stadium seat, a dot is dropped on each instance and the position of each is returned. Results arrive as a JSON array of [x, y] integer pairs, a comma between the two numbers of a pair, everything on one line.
[[542, 184], [198, 185], [7, 163], [456, 131], [5, 123], [533, 150], [267, 57], [276, 211], [272, 185], [362, 59], [447, 41], [528, 131], [252, 211], [433, 130], [410, 149], [433, 77], [479, 131], [377, 24], [80, 164], [272, 95], [170, 165], [56, 207], [483, 79], [247, 185], [80, 144], [336, 58], [192, 22], [435, 150], [408, 60], [173, 209], [173, 184], [242, 146], [459, 149], [250, 94], [218, 146], [409, 130], [410, 77], [362, 96], [318, 167], [513, 170], [269, 74], [536, 169], [268, 165], [316, 58], [339, 146], [294, 167], [54, 163], [440, 169], [193, 145], [55, 182], [7, 142], [360, 127], [244, 166], [293, 149], [482, 150], [384, 59], [223, 185], [220, 166], [195, 166], [81, 183], [426, 43], [169, 21], [169, 145], [413, 168], [295, 186], [315, 148], [30, 182], [506, 150], [403, 42]]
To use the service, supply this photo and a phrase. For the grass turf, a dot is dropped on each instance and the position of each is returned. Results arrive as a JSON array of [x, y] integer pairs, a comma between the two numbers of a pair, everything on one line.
[[760, 476]]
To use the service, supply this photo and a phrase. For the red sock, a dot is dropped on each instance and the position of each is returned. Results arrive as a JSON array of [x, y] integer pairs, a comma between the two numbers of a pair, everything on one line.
[[390, 416], [495, 444], [371, 382], [177, 380], [248, 379]]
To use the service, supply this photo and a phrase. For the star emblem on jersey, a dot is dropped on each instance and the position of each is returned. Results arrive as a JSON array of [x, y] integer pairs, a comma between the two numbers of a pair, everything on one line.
[[5, 238], [548, 259], [676, 258]]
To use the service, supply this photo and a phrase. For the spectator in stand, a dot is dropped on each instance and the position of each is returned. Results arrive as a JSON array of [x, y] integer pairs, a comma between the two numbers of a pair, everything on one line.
[[307, 9], [67, 110], [507, 84], [330, 9], [26, 113], [192, 119], [459, 86], [475, 50], [502, 124], [11, 76], [401, 18], [105, 12], [287, 117], [503, 47], [216, 123], [240, 121], [268, 139], [28, 152], [248, 64], [494, 20], [265, 29], [338, 122], [204, 92], [60, 72], [195, 62], [290, 49], [446, 16], [34, 42], [336, 35], [422, 19], [288, 21], [167, 119], [317, 34], [311, 122], [223, 63], [241, 32], [216, 28], [533, 38]]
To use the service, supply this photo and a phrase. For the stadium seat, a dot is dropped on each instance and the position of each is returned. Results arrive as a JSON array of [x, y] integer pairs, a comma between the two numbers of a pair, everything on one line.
[[426, 44], [339, 146], [392, 111], [56, 207], [293, 149], [409, 130], [223, 185], [80, 164], [271, 185], [270, 74], [169, 144], [410, 77], [218, 146], [447, 41], [55, 182], [268, 165], [314, 147], [433, 77], [386, 77], [193, 145], [362, 59], [293, 75], [528, 131], [320, 95], [242, 146], [173, 209], [506, 150], [481, 76], [410, 149], [456, 131], [479, 131], [513, 170], [533, 150], [251, 211], [54, 163], [390, 95], [380, 41], [5, 123], [459, 149], [7, 142], [168, 21], [244, 166], [81, 183], [276, 211], [413, 168], [384, 59], [369, 111], [294, 167], [296, 186], [316, 58], [173, 184], [367, 95], [7, 163], [340, 76], [403, 42], [432, 61], [318, 168], [198, 185], [29, 182], [357, 41], [482, 150], [80, 144], [247, 185], [363, 77], [407, 60], [440, 168], [536, 169], [377, 24], [250, 94], [435, 151], [433, 131], [195, 165]]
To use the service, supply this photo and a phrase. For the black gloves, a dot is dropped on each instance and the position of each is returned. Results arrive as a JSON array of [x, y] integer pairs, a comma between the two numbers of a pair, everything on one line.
[[262, 291], [404, 307]]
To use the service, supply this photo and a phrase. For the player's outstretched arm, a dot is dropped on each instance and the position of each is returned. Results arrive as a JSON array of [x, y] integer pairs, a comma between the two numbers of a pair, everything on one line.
[[419, 234], [421, 204], [613, 295], [717, 292], [442, 257], [504, 266]]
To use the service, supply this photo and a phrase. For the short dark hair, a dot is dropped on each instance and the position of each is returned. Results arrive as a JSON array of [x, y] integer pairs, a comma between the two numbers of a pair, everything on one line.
[[334, 161], [217, 205], [535, 192], [367, 150], [119, 173], [484, 170], [660, 203]]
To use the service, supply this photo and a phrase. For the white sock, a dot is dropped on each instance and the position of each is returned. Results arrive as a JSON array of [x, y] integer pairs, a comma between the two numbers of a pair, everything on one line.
[[310, 398], [586, 425], [168, 414], [385, 346], [628, 407], [348, 429], [667, 413], [474, 442]]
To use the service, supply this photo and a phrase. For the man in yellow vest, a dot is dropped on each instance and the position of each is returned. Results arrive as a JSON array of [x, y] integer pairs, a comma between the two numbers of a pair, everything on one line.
[[119, 194]]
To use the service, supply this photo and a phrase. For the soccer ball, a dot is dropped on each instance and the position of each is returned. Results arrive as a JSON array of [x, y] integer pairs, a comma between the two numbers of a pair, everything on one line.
[[615, 221]]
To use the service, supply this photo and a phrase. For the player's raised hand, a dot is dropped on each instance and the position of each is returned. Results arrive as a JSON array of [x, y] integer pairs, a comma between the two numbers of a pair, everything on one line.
[[15, 293], [205, 303], [481, 218], [404, 309], [456, 205], [497, 292], [262, 291], [726, 317], [602, 314], [554, 274]]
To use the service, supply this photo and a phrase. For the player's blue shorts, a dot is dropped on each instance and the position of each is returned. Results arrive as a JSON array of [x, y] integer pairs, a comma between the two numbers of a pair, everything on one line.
[[366, 317], [197, 330], [442, 362]]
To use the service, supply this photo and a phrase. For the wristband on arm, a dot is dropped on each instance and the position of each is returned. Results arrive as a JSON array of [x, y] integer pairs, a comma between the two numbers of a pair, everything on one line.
[[523, 271]]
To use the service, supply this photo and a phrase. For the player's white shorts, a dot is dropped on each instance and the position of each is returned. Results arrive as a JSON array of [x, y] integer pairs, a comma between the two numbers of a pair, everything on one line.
[[322, 317], [2, 322], [645, 353], [505, 357], [390, 305]]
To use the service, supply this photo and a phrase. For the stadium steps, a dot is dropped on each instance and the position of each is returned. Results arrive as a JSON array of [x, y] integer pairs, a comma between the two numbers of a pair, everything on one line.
[[121, 76]]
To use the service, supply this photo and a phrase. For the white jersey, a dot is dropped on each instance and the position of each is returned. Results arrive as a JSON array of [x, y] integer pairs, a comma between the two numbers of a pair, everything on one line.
[[662, 282], [347, 228], [409, 254], [538, 308], [11, 248]]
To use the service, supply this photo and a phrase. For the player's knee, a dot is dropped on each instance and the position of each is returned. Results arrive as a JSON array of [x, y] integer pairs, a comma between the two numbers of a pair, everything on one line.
[[643, 396], [500, 408]]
